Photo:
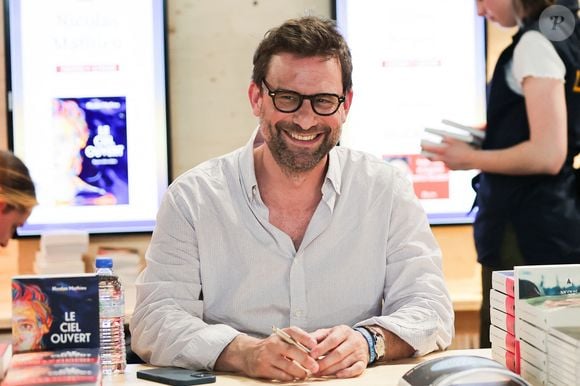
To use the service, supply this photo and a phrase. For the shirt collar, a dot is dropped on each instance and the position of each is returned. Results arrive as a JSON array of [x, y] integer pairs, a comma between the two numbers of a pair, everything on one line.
[[248, 172]]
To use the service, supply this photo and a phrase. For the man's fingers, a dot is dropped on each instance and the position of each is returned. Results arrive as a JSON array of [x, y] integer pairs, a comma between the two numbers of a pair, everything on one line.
[[355, 370]]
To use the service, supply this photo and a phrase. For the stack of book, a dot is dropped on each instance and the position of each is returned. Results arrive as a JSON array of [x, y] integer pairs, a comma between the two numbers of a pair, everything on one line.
[[564, 355], [61, 252], [457, 131], [504, 348], [55, 330], [547, 304]]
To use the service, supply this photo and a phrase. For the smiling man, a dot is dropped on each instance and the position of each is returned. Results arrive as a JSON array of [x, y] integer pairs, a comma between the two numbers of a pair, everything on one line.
[[328, 243]]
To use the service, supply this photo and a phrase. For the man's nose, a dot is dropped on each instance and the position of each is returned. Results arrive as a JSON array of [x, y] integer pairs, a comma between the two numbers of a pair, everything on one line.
[[305, 116]]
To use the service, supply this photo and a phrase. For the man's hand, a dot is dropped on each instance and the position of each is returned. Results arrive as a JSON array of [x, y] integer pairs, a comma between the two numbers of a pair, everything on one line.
[[345, 351], [269, 358]]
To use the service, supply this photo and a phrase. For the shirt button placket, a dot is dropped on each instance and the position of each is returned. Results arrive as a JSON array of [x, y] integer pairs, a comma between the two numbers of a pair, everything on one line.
[[298, 305]]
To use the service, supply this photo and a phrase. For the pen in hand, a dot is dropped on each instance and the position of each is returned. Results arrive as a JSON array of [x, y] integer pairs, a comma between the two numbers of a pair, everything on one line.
[[288, 339]]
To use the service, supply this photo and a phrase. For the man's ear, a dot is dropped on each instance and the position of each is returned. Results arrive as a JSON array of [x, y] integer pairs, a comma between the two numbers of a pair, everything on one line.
[[255, 96]]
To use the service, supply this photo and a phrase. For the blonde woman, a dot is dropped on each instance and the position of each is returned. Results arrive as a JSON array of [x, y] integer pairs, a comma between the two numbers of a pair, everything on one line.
[[17, 195]]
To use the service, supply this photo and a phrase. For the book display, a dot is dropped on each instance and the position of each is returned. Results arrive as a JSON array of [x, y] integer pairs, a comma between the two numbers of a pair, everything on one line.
[[504, 347], [548, 323], [54, 312], [55, 330]]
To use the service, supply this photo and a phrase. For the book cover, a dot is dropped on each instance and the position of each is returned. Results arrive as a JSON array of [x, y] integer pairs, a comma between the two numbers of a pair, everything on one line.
[[502, 320], [74, 355], [90, 160], [502, 302], [503, 281], [55, 311], [84, 374], [502, 339]]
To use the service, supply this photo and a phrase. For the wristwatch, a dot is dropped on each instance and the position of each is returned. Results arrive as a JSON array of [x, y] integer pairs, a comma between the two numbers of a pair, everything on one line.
[[375, 341], [379, 345]]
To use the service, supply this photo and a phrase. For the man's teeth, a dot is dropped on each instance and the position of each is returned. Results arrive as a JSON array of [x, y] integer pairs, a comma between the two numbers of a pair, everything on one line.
[[303, 137]]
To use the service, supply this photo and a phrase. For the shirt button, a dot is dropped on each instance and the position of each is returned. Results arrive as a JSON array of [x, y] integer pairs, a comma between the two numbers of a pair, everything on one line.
[[298, 313]]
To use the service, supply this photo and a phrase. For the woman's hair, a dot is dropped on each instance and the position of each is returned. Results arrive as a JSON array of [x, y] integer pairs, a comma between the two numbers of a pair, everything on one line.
[[531, 9], [16, 186], [305, 37]]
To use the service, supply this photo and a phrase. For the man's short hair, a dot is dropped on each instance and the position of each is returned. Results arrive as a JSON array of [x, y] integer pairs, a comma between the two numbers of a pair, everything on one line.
[[305, 37]]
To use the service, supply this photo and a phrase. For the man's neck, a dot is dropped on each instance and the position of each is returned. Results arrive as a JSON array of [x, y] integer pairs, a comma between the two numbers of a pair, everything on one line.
[[283, 186]]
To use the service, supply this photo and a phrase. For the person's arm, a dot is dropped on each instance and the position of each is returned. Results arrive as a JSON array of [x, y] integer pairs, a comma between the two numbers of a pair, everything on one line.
[[167, 327], [543, 153], [417, 314], [417, 307]]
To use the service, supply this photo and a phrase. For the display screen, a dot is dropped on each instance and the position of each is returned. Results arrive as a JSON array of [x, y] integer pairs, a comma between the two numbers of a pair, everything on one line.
[[87, 111], [415, 64]]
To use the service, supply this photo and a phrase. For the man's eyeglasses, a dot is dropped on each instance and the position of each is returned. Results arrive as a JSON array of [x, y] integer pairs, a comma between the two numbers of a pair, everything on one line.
[[288, 101]]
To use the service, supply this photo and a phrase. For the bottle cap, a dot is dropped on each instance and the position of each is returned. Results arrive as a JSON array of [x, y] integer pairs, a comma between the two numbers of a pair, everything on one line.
[[104, 262]]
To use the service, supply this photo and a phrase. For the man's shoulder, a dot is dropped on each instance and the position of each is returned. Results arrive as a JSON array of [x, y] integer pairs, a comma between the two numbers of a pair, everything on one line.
[[356, 161], [214, 170]]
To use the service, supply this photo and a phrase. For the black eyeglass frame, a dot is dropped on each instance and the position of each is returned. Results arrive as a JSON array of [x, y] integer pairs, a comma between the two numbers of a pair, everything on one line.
[[301, 97]]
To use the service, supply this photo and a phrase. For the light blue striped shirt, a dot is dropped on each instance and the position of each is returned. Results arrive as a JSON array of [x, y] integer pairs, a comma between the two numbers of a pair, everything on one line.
[[216, 267]]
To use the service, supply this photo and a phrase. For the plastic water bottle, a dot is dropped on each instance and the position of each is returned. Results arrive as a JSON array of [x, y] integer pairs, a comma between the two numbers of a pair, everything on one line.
[[111, 318]]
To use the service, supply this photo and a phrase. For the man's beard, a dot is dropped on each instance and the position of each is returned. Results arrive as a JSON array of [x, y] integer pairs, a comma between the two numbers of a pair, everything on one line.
[[299, 160]]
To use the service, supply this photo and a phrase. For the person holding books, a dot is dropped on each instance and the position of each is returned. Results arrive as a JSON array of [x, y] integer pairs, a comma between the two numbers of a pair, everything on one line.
[[328, 243], [17, 195], [528, 191]]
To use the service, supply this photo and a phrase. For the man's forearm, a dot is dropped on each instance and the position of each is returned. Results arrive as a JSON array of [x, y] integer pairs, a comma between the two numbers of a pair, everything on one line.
[[232, 357], [395, 347]]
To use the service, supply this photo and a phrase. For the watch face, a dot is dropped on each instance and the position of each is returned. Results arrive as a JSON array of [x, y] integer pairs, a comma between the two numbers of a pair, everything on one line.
[[380, 346]]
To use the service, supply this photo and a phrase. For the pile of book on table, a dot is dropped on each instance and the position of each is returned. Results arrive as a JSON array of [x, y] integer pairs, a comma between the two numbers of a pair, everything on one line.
[[547, 324], [502, 333], [55, 331]]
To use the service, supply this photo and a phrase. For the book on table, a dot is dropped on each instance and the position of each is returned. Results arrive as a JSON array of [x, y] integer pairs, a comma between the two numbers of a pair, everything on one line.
[[55, 330], [503, 281], [547, 299], [502, 302], [55, 311]]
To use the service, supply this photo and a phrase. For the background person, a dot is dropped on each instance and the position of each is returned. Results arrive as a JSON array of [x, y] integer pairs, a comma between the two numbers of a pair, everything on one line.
[[17, 195], [295, 233], [528, 193]]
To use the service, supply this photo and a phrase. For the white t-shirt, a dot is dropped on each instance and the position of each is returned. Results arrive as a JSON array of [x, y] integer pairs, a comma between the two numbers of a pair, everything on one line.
[[535, 56]]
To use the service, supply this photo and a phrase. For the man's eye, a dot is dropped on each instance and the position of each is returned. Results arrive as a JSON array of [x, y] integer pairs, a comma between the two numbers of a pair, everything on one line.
[[288, 97]]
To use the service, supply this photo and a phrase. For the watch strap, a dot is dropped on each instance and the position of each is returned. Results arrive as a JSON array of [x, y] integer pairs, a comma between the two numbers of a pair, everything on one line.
[[370, 341]]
